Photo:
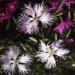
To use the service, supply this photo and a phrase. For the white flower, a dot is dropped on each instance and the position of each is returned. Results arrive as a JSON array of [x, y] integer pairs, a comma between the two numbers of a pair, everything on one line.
[[24, 62], [13, 52], [46, 53], [8, 65], [10, 61], [31, 16]]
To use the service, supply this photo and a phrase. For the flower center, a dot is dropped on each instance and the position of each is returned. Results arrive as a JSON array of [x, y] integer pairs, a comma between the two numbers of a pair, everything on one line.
[[49, 50], [13, 61]]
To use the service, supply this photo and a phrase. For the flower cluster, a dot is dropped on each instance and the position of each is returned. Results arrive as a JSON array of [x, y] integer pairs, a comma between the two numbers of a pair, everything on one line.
[[45, 23]]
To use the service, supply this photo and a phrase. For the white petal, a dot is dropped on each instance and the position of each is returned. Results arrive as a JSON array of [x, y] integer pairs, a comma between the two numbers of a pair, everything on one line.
[[56, 45], [23, 63], [39, 8], [13, 52], [42, 56], [8, 68], [29, 10], [6, 64], [23, 69], [22, 19], [42, 46], [44, 52], [32, 27], [46, 19], [25, 59], [50, 63], [61, 52]]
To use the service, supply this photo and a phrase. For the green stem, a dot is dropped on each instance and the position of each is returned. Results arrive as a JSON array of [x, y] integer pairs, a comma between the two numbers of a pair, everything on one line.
[[22, 45], [33, 39], [47, 32], [42, 33], [15, 21], [74, 16], [68, 34], [56, 37], [1, 48], [69, 15], [71, 60], [62, 2], [61, 19]]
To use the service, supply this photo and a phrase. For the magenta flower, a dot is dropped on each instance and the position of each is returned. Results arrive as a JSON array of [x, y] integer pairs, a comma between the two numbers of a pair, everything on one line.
[[11, 7], [68, 41], [55, 5], [9, 11], [0, 0], [69, 2], [63, 26], [3, 17]]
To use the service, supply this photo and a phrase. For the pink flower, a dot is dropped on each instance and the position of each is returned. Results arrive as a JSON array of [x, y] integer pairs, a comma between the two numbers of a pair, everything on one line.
[[9, 11], [3, 17], [63, 26], [68, 41], [0, 1], [11, 7], [69, 2], [54, 6]]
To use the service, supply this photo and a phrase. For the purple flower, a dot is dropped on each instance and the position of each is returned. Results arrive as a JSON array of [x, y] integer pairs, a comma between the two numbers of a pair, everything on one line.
[[11, 7], [55, 5], [68, 41], [9, 10], [63, 26], [3, 17], [69, 2], [0, 0]]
